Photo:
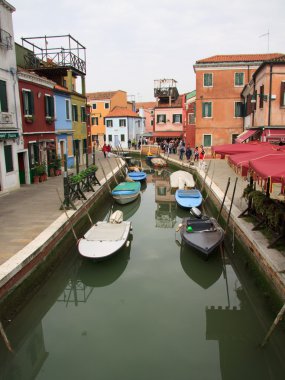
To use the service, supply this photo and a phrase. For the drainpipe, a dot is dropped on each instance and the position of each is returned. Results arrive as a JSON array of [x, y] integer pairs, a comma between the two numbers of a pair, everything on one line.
[[270, 91]]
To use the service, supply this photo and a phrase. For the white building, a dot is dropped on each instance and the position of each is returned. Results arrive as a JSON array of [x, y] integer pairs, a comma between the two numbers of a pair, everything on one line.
[[12, 155], [122, 125]]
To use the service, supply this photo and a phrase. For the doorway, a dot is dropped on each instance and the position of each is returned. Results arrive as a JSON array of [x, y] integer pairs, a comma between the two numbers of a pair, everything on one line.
[[22, 173]]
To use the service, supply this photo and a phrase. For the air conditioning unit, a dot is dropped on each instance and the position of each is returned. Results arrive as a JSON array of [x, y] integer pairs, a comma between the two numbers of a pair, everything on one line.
[[6, 118]]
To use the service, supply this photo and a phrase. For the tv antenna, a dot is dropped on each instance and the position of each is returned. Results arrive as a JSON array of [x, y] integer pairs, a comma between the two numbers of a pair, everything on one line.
[[264, 35]]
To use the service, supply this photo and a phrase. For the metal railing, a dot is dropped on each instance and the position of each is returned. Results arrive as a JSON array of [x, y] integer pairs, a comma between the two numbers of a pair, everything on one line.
[[5, 39]]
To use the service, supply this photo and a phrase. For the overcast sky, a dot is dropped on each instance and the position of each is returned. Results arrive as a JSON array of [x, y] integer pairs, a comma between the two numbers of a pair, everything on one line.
[[130, 43]]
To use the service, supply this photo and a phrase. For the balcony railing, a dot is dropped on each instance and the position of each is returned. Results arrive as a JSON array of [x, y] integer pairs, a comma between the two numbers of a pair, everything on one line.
[[5, 39]]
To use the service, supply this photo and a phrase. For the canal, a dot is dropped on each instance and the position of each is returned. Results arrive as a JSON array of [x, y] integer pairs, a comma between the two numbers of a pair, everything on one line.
[[156, 310]]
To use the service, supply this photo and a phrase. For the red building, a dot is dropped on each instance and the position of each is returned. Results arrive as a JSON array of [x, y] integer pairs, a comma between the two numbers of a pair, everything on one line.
[[37, 107]]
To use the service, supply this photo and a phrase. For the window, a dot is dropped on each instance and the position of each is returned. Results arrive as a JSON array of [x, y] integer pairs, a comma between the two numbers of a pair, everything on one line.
[[239, 79], [94, 120], [67, 109], [261, 96], [49, 106], [110, 138], [107, 105], [8, 158], [94, 106], [177, 118], [83, 114], [109, 123], [3, 97], [74, 112], [238, 109], [191, 118], [207, 140], [207, 109], [282, 94], [161, 118], [84, 146], [151, 122], [122, 138], [122, 122], [208, 80], [28, 102], [234, 136]]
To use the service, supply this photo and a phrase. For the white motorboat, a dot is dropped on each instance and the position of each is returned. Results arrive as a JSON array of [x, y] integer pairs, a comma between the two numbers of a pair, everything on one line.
[[105, 238]]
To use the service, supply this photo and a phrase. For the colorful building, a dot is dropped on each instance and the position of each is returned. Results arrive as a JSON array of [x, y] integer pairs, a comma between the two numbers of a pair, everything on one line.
[[264, 103], [168, 120], [189, 118], [219, 107], [122, 125], [37, 105], [63, 124], [101, 104], [146, 110], [14, 165]]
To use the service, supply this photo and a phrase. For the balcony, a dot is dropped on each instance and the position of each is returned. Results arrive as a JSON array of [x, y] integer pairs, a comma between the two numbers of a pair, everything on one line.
[[5, 40]]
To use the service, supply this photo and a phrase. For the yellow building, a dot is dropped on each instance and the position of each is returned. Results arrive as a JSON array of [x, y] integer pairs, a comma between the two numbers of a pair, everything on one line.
[[101, 104]]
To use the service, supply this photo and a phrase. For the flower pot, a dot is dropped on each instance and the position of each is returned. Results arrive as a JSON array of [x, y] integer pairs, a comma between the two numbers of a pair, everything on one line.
[[36, 179]]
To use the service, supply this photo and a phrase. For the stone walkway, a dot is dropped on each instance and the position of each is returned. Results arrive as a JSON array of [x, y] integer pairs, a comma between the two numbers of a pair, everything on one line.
[[26, 212]]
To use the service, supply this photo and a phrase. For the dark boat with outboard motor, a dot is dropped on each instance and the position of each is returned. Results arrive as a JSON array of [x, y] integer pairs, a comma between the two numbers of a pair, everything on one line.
[[201, 232]]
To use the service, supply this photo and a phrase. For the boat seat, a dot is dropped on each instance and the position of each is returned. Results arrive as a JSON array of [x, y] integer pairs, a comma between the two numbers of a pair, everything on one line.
[[201, 225]]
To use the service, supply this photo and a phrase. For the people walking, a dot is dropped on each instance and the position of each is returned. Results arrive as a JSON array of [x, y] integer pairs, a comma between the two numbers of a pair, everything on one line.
[[188, 153], [201, 153], [105, 149], [181, 150], [196, 154], [109, 150]]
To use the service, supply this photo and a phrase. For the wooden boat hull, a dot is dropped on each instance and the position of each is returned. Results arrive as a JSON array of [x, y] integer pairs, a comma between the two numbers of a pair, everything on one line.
[[188, 198], [123, 199], [205, 235], [126, 192], [103, 240]]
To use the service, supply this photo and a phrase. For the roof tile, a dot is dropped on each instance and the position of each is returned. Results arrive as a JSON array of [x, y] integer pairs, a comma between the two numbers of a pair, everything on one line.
[[240, 58]]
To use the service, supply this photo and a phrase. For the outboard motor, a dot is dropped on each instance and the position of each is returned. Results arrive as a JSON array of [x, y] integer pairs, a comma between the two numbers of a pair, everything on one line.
[[196, 212]]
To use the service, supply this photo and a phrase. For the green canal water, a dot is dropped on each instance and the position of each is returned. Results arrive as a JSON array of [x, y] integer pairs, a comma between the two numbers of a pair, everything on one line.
[[154, 311]]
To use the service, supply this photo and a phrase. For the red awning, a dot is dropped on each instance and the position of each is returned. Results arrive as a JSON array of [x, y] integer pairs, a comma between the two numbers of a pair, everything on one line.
[[167, 134], [273, 167], [241, 161], [245, 135], [240, 148], [274, 134]]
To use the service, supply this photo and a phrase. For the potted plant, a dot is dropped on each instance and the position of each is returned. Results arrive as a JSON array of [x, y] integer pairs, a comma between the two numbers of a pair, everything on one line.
[[57, 165], [49, 119], [29, 119], [36, 176]]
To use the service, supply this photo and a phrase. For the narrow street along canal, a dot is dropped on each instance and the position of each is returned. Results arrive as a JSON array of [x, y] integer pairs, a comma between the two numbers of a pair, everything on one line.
[[156, 310]]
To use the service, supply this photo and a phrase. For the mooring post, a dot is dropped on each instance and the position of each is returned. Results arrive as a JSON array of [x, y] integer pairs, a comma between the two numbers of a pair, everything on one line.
[[222, 205]]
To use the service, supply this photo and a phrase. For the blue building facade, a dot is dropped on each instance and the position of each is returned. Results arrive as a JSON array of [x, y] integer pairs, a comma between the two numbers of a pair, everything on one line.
[[63, 125]]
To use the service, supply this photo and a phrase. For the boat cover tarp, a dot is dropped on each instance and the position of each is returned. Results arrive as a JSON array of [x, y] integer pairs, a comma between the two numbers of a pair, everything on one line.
[[189, 193], [181, 176], [106, 232], [273, 167], [128, 186]]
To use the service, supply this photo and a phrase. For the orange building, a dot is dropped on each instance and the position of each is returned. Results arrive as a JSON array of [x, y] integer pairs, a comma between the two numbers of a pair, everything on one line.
[[219, 107], [101, 104]]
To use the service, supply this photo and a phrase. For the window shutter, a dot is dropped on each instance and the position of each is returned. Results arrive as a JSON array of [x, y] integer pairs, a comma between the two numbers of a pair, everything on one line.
[[282, 94], [203, 109], [3, 97], [52, 106], [32, 105], [261, 96], [46, 106]]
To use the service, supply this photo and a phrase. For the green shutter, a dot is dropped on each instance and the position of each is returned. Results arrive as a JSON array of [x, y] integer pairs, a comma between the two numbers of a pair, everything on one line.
[[52, 106], [203, 109], [31, 103], [3, 97], [8, 158]]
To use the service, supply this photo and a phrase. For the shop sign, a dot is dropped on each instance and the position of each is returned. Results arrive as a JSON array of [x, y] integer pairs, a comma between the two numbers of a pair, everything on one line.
[[7, 135]]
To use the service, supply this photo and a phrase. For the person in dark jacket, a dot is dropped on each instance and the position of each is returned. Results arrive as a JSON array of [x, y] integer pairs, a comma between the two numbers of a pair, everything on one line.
[[188, 153]]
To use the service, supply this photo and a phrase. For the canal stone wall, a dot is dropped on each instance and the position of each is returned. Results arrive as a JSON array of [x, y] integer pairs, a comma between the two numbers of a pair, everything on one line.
[[269, 261]]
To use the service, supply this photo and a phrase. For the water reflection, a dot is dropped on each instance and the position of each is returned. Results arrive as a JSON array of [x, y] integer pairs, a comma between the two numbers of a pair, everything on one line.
[[97, 274], [203, 273], [128, 209]]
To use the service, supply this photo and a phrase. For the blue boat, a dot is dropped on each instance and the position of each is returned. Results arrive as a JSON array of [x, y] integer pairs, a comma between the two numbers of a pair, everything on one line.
[[188, 198], [126, 192], [137, 176]]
